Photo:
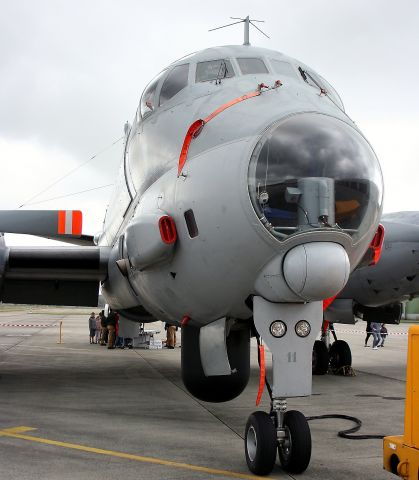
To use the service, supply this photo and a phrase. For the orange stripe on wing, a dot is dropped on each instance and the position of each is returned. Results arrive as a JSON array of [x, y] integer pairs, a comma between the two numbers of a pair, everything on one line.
[[77, 222], [61, 222]]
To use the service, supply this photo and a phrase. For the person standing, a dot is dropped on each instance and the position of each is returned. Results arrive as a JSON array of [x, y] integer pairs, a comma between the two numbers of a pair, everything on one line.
[[98, 328], [384, 334], [170, 336], [111, 325], [368, 332], [376, 333], [103, 329], [120, 341], [92, 327]]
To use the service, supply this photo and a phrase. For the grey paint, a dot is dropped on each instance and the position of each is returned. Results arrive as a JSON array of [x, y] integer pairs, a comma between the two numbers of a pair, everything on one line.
[[43, 223], [341, 311], [143, 242], [291, 355], [213, 348], [211, 276], [396, 276], [302, 265]]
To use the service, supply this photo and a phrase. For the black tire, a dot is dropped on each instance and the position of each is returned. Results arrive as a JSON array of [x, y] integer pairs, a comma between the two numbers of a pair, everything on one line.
[[260, 443], [221, 388], [296, 453], [340, 355], [320, 362]]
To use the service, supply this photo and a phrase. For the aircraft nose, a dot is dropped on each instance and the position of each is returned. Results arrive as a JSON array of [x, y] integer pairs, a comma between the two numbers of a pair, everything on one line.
[[313, 171], [317, 270]]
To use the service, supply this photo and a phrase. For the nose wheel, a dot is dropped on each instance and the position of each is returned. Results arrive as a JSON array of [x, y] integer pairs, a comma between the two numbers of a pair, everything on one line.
[[260, 443], [295, 451], [263, 439]]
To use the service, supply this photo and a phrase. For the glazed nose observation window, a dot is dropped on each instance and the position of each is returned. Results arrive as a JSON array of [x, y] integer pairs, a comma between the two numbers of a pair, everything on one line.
[[313, 171]]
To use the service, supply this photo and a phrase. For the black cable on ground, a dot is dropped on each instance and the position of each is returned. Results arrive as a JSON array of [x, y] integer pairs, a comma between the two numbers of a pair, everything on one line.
[[347, 433]]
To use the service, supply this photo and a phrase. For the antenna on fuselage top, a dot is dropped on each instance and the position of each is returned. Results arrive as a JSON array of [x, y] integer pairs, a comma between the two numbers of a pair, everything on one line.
[[247, 22]]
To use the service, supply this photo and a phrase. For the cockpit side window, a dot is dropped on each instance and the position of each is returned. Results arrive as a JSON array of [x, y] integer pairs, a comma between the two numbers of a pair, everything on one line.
[[251, 65], [213, 70], [320, 83], [148, 100], [176, 81], [283, 68]]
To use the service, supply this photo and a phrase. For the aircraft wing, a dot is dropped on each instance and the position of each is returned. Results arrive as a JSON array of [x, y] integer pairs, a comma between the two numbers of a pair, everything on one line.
[[411, 218], [50, 275], [379, 289], [62, 225]]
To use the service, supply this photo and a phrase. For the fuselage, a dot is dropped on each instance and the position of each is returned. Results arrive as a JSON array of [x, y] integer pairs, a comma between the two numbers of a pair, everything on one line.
[[269, 172]]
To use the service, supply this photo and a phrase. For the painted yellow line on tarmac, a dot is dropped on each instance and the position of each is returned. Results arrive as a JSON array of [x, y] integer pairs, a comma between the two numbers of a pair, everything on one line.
[[17, 432]]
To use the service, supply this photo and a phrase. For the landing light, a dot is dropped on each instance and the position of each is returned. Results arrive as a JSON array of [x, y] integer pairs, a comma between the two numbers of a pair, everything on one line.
[[302, 328], [278, 328]]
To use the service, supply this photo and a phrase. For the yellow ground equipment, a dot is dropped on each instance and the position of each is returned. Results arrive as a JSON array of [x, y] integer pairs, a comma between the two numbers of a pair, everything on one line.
[[401, 453]]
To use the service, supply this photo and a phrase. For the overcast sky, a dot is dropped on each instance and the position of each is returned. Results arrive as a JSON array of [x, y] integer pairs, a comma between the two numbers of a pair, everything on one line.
[[72, 72]]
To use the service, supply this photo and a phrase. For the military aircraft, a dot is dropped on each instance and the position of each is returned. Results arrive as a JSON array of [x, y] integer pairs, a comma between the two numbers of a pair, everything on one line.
[[245, 197], [374, 292]]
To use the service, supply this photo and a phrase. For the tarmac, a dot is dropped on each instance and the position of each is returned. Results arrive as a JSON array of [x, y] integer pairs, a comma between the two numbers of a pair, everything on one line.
[[80, 411]]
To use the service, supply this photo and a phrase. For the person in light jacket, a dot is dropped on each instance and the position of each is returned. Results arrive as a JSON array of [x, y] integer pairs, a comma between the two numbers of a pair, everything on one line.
[[92, 327], [376, 333]]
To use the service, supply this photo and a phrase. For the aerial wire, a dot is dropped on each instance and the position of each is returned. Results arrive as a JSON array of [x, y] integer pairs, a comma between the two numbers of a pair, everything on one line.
[[247, 21], [71, 194], [257, 28], [229, 25], [68, 174]]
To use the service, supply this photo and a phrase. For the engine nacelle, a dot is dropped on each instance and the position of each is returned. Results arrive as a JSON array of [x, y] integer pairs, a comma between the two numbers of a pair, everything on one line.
[[391, 313], [341, 310]]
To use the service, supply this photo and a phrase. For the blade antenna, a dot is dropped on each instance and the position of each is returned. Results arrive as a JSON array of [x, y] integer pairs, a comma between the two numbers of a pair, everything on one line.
[[247, 22]]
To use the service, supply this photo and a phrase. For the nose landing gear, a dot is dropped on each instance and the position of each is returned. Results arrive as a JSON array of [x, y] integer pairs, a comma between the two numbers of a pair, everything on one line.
[[282, 431]]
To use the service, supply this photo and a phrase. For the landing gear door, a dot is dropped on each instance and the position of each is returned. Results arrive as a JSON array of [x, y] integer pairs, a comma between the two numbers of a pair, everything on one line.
[[291, 353]]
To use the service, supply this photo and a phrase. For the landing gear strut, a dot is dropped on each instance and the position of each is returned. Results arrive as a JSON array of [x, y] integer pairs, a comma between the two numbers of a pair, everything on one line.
[[282, 431]]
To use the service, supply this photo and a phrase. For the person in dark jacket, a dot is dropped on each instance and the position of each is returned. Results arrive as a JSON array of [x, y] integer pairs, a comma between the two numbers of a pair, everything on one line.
[[384, 334], [104, 330], [369, 333], [111, 326]]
